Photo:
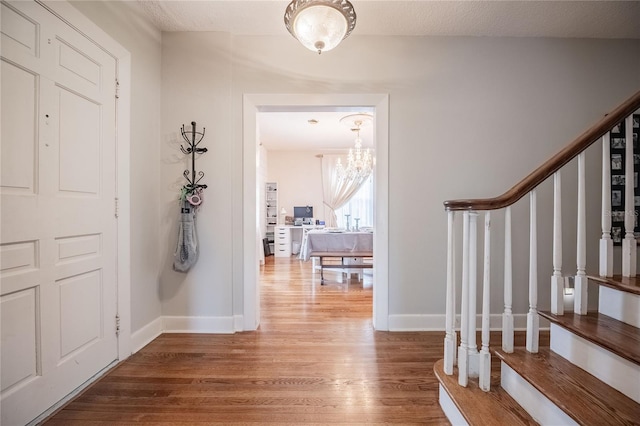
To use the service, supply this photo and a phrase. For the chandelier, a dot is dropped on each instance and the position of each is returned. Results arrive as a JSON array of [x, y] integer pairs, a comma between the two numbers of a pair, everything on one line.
[[359, 161], [320, 25]]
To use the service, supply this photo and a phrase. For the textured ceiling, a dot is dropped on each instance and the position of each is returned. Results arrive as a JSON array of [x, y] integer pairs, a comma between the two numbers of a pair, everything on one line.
[[589, 19]]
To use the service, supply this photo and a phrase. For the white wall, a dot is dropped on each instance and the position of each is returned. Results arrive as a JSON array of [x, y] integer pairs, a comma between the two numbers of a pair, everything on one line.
[[299, 177], [468, 118], [196, 86], [123, 22]]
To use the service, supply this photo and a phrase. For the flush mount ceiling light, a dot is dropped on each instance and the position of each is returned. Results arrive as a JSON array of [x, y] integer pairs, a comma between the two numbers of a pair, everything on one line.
[[320, 25]]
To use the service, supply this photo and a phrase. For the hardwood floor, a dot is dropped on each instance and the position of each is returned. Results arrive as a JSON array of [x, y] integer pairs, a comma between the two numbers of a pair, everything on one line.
[[314, 360]]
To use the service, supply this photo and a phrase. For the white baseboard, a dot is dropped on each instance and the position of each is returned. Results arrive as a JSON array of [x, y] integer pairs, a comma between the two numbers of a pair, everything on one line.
[[437, 322], [166, 324], [230, 325], [144, 336], [238, 323], [535, 403], [612, 369], [620, 305], [450, 409], [218, 325]]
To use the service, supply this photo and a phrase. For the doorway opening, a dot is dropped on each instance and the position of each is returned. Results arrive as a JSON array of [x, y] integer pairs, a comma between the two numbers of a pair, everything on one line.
[[297, 178], [252, 241]]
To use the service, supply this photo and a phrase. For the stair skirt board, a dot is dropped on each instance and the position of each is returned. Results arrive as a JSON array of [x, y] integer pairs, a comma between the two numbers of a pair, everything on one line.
[[612, 369], [620, 305], [450, 408], [535, 403]]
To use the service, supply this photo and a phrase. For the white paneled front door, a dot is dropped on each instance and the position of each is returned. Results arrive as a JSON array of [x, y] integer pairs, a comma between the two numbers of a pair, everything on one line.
[[57, 183]]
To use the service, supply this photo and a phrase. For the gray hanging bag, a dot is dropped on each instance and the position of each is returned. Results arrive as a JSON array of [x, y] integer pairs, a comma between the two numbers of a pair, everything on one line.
[[186, 253]]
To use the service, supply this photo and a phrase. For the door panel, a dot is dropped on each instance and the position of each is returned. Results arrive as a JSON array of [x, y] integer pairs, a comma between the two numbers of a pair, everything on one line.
[[19, 161], [79, 131], [80, 298], [18, 315], [19, 31], [58, 243]]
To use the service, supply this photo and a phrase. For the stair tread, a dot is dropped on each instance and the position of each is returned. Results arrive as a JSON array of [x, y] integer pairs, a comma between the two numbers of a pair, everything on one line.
[[627, 284], [480, 408], [616, 336], [580, 395]]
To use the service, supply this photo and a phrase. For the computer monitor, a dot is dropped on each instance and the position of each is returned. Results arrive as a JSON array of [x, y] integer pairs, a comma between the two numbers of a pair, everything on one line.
[[303, 212]]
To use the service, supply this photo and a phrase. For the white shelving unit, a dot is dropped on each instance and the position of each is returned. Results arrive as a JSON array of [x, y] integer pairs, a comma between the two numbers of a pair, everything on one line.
[[271, 212]]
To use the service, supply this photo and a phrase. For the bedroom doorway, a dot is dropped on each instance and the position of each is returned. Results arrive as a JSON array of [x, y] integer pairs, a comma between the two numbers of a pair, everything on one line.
[[252, 243]]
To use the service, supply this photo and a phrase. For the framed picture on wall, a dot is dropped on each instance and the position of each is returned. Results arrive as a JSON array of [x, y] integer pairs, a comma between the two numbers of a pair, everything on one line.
[[618, 179]]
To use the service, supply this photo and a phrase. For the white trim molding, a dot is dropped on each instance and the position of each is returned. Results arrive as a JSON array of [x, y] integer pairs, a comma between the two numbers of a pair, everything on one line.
[[253, 103], [146, 334], [218, 325], [182, 324]]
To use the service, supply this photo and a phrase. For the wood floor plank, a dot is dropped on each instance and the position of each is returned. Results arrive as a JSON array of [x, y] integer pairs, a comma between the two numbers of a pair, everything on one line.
[[315, 359]]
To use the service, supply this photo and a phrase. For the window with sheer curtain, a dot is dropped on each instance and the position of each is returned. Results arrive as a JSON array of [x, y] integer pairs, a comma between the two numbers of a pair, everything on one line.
[[359, 206]]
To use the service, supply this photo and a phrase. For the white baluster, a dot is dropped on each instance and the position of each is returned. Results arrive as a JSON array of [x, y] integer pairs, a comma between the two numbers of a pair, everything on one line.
[[580, 282], [532, 316], [463, 350], [485, 355], [629, 247], [450, 338], [454, 279], [557, 282], [507, 316], [606, 243], [473, 298]]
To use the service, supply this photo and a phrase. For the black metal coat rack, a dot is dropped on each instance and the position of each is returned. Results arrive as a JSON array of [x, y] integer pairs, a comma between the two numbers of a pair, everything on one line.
[[192, 148]]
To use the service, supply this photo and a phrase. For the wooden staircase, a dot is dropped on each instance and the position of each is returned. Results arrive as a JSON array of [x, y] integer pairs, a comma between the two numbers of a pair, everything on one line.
[[547, 388], [588, 373]]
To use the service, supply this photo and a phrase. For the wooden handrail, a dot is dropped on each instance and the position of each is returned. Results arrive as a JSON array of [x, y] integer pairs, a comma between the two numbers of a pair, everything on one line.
[[554, 164]]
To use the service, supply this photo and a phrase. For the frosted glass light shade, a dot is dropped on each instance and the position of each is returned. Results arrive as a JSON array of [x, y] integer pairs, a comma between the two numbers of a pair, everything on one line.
[[320, 25]]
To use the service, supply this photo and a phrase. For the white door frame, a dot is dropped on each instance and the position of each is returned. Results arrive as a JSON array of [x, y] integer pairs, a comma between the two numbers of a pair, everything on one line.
[[74, 18], [252, 104]]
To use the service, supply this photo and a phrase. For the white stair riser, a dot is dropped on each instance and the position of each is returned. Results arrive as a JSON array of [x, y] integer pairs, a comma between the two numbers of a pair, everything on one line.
[[535, 403], [450, 409], [612, 369], [622, 306]]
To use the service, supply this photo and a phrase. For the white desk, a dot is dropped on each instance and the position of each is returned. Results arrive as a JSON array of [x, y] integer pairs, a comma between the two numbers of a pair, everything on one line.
[[286, 235]]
